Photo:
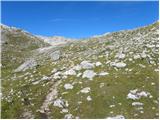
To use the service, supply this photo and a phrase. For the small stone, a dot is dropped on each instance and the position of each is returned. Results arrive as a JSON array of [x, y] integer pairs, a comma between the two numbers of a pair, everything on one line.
[[137, 104], [98, 64], [86, 65], [89, 98], [101, 85], [70, 72], [103, 73], [136, 57], [141, 111], [118, 65], [79, 74], [153, 108], [152, 83], [77, 67], [117, 117], [68, 116], [111, 106], [64, 111], [68, 86], [58, 103], [85, 90]]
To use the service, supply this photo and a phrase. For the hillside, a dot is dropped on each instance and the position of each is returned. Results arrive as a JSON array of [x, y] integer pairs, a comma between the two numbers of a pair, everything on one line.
[[110, 76]]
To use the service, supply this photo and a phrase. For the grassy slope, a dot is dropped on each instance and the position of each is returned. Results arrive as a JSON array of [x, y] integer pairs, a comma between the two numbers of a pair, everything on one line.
[[101, 97]]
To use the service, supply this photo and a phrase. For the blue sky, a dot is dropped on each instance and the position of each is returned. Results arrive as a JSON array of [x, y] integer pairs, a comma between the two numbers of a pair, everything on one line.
[[78, 19]]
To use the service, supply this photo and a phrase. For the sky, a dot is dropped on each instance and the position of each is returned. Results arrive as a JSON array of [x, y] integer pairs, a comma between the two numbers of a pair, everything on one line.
[[78, 19]]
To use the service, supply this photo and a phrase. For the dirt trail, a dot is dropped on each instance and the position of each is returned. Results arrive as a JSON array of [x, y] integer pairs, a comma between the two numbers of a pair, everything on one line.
[[44, 109]]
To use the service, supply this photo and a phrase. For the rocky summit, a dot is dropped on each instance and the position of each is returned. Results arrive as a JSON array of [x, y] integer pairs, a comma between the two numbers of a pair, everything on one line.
[[113, 76]]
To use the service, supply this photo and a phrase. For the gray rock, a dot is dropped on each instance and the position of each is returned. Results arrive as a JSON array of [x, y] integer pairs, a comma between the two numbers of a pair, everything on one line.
[[85, 90], [68, 86], [118, 65], [55, 55], [59, 103], [89, 74], [70, 72], [86, 65], [68, 116], [117, 117], [27, 65]]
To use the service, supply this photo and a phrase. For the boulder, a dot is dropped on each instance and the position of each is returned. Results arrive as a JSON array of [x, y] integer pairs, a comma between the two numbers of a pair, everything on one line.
[[68, 86], [55, 55], [85, 90], [89, 74], [86, 65]]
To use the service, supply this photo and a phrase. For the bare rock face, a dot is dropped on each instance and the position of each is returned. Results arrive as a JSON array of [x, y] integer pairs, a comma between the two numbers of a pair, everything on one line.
[[26, 65]]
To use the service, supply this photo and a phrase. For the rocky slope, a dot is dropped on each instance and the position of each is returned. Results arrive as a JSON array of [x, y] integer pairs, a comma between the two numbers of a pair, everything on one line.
[[110, 76]]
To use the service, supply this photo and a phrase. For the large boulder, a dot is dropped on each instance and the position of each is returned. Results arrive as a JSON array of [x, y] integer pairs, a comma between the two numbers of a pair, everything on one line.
[[55, 55]]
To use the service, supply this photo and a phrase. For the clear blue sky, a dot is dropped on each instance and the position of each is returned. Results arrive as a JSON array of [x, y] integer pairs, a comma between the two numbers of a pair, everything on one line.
[[78, 19]]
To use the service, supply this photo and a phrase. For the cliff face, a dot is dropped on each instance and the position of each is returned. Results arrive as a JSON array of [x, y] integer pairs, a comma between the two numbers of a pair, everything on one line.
[[110, 76]]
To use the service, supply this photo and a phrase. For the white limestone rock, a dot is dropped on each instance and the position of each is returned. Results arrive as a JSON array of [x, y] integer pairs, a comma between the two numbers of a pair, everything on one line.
[[103, 73], [136, 56], [120, 56], [117, 117], [135, 94], [86, 65], [79, 74], [118, 65], [98, 64], [59, 103], [85, 90], [89, 98], [77, 67], [68, 86], [137, 104], [64, 111], [89, 74], [68, 116], [70, 72]]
